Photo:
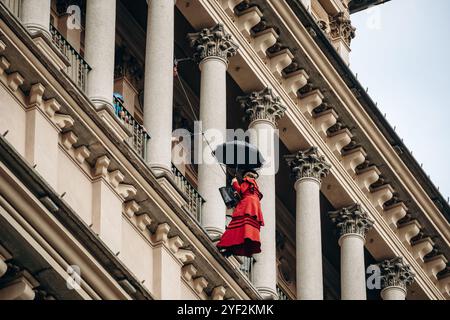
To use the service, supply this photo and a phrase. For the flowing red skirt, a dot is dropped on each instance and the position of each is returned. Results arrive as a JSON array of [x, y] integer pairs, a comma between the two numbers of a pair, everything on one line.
[[242, 236]]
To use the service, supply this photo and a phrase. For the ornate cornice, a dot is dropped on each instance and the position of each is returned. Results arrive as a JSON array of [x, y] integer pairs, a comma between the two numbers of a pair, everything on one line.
[[308, 164], [395, 273], [262, 105], [352, 220], [341, 27], [213, 42]]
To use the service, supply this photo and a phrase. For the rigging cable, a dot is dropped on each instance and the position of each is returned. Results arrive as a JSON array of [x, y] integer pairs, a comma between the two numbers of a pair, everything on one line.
[[176, 75]]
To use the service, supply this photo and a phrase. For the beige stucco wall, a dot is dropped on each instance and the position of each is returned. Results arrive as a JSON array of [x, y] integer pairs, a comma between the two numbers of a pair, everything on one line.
[[107, 214], [41, 144], [137, 254], [13, 119], [77, 186], [186, 292], [36, 137]]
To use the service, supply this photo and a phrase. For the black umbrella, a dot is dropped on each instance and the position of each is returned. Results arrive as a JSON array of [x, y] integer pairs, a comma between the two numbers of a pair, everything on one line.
[[239, 155]]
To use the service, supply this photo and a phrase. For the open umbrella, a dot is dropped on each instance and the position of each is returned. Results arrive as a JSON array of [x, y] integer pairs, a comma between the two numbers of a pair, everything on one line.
[[239, 155]]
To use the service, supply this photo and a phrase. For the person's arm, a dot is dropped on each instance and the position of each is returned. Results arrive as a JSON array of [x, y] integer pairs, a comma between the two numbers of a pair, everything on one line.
[[236, 185]]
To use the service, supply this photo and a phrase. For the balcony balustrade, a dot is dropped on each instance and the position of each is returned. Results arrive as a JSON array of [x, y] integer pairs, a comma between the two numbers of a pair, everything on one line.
[[247, 267], [281, 294], [139, 137], [195, 200], [78, 68]]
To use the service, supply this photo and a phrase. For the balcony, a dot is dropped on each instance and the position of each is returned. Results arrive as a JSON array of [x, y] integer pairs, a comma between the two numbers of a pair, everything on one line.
[[139, 137], [77, 69], [247, 267], [281, 294], [194, 199]]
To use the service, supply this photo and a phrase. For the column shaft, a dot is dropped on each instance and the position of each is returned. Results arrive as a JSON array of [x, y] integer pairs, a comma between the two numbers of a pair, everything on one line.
[[308, 240], [353, 280], [36, 16], [262, 135], [158, 88], [393, 293], [100, 50], [213, 116]]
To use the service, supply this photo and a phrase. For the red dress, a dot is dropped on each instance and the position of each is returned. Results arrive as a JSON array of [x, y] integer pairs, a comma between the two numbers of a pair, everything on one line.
[[242, 236]]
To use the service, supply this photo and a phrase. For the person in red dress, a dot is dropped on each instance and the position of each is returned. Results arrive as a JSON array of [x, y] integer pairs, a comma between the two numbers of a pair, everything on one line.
[[242, 235]]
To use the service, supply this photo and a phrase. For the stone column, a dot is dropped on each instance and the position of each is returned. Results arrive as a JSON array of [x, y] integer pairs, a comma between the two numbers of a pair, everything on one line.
[[308, 168], [396, 276], [158, 85], [263, 110], [100, 49], [212, 47], [353, 225], [36, 16]]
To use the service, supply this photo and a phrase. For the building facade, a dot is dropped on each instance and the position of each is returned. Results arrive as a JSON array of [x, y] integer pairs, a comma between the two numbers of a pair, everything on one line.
[[104, 104]]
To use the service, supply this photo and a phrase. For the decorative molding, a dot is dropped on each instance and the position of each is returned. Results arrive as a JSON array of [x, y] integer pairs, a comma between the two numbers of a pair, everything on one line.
[[14, 81], [101, 166], [262, 105], [126, 190], [352, 220], [4, 65], [395, 273], [143, 222], [341, 28], [188, 272], [161, 233], [213, 42], [218, 293], [308, 164], [199, 284], [130, 208], [68, 139]]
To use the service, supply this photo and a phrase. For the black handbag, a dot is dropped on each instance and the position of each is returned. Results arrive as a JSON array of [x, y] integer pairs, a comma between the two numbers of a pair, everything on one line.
[[230, 197]]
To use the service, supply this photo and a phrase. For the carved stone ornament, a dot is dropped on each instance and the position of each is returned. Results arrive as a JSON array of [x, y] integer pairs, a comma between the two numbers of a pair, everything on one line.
[[308, 164], [352, 220], [395, 273], [213, 42], [262, 105], [341, 27]]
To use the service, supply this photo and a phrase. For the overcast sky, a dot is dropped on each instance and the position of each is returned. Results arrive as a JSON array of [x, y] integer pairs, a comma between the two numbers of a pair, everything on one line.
[[401, 53]]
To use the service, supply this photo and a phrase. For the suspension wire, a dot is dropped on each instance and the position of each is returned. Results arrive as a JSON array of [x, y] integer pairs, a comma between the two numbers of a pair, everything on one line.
[[176, 75]]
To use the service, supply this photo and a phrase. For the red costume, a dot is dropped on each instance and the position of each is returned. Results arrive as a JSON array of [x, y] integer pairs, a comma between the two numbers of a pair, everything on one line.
[[241, 238]]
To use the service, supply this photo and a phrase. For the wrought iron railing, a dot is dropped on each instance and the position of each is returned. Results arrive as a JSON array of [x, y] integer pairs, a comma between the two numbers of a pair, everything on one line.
[[281, 294], [78, 69], [15, 6], [247, 267], [195, 200], [139, 137]]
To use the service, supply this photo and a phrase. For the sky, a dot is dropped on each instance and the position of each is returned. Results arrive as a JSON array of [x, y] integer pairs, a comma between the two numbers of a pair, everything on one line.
[[401, 53]]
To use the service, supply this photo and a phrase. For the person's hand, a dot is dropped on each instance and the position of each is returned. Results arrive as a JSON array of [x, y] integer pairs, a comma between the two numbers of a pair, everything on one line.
[[234, 180]]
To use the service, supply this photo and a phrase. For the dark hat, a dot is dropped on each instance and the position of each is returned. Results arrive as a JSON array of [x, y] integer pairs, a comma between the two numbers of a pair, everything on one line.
[[251, 171]]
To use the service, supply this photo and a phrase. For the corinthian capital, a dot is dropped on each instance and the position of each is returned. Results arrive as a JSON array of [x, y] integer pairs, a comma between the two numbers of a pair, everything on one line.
[[213, 42], [395, 273], [341, 27], [352, 220], [308, 164], [263, 105]]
